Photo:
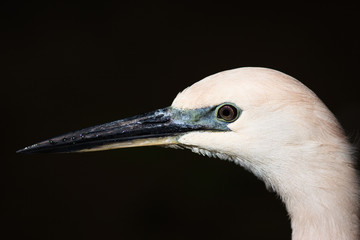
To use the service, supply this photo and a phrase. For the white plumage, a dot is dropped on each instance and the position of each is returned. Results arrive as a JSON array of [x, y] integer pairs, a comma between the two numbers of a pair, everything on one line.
[[288, 138], [285, 135]]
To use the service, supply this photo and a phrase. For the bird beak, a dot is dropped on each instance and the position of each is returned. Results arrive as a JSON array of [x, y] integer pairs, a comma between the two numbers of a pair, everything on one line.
[[160, 127]]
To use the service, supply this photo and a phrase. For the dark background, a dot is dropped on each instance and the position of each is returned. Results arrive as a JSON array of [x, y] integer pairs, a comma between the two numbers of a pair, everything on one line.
[[67, 65]]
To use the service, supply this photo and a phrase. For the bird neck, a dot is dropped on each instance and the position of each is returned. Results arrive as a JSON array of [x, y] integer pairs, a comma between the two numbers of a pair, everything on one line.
[[323, 202]]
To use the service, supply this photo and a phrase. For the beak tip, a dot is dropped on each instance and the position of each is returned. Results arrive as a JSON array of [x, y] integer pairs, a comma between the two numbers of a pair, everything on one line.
[[29, 149], [24, 150]]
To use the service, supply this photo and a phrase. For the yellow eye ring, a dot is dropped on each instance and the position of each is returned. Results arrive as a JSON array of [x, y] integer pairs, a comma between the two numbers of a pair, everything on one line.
[[227, 112]]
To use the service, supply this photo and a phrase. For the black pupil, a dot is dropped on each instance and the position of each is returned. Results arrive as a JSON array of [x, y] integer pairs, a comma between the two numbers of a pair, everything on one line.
[[227, 112]]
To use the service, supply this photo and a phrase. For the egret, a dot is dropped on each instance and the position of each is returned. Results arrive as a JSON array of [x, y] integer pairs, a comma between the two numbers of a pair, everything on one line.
[[265, 121]]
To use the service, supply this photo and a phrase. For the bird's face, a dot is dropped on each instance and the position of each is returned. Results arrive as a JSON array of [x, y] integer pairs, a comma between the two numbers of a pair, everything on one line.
[[272, 115], [161, 127], [249, 115], [281, 128]]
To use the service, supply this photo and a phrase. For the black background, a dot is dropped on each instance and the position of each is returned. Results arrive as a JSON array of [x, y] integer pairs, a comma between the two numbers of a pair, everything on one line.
[[67, 65]]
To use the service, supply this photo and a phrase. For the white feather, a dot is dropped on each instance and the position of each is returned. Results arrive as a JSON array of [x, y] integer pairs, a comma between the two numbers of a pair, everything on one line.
[[288, 138]]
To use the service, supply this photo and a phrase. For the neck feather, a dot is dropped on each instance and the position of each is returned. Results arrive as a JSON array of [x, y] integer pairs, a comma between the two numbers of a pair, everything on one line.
[[324, 202], [321, 192]]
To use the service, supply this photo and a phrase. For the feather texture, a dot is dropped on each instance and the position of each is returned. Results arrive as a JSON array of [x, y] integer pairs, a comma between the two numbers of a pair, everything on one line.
[[288, 138]]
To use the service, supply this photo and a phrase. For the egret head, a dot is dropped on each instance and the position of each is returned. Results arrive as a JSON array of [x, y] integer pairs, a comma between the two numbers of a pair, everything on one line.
[[262, 119], [259, 118], [281, 127]]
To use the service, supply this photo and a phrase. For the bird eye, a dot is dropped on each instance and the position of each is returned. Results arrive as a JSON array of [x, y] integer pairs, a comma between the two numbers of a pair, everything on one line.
[[227, 113]]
